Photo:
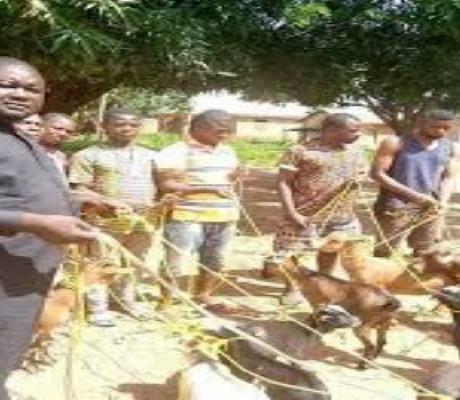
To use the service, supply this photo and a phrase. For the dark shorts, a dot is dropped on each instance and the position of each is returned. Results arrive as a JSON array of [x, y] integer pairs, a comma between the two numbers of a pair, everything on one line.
[[18, 316], [398, 224]]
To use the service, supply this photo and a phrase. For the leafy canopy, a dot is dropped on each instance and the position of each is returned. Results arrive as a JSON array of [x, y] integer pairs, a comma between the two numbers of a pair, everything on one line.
[[397, 56]]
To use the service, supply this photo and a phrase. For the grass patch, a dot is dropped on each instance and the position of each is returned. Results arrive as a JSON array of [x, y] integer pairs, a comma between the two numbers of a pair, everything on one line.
[[252, 153]]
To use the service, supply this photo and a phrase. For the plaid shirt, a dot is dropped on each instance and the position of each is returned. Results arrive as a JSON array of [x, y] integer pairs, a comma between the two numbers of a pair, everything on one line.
[[119, 173]]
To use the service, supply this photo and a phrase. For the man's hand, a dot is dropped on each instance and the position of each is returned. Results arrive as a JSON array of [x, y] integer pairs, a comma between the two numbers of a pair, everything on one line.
[[225, 193], [94, 203], [105, 207], [426, 201], [299, 219], [169, 200], [58, 229], [239, 174]]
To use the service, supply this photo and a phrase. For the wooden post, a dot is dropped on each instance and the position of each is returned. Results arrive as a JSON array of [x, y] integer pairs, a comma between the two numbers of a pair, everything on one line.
[[100, 114]]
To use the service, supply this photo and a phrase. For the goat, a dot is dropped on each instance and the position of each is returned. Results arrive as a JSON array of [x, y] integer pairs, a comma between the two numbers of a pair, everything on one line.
[[444, 381], [390, 274], [450, 297], [207, 379], [375, 307], [58, 305], [295, 341]]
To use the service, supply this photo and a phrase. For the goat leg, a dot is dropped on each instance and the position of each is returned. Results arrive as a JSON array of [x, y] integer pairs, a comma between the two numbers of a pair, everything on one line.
[[363, 333], [382, 330]]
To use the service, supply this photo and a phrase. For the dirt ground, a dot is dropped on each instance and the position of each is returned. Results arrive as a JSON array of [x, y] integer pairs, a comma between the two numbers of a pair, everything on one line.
[[141, 360]]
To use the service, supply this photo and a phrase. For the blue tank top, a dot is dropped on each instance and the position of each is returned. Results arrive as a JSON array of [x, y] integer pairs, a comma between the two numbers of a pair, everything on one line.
[[419, 168]]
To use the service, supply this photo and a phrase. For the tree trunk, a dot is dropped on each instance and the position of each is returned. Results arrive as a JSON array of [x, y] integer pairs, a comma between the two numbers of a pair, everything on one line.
[[401, 119]]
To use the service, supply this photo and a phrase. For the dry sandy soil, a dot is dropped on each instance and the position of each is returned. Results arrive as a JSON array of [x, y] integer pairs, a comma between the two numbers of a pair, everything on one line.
[[140, 360]]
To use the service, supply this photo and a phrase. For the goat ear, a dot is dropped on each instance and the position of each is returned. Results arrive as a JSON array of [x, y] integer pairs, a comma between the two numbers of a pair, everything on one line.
[[291, 262], [295, 259]]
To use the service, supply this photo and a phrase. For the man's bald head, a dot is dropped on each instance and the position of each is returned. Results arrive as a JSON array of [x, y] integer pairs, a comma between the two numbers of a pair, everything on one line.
[[8, 62], [22, 89]]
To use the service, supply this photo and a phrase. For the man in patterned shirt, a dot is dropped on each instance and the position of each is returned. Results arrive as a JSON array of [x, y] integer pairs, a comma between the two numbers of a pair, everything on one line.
[[310, 177], [121, 170], [201, 170]]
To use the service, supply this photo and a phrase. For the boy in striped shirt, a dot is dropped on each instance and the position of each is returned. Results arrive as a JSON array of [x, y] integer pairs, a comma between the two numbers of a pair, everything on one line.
[[201, 170]]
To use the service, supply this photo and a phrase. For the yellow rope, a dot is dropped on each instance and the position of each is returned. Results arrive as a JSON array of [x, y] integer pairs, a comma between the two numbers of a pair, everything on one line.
[[109, 241], [78, 322], [268, 380], [386, 241]]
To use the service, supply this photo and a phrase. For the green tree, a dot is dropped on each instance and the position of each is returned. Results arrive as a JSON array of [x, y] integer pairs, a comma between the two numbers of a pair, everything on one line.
[[87, 47], [147, 102], [396, 56]]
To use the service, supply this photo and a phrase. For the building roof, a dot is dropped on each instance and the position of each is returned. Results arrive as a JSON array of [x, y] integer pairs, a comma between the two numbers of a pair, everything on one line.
[[236, 105]]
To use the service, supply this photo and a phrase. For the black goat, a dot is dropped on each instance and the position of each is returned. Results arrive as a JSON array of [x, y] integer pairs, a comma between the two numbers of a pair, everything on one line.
[[444, 381], [291, 339], [450, 297]]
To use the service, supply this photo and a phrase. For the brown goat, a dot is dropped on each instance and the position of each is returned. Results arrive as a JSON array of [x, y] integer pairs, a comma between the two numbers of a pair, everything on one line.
[[390, 274], [374, 306], [58, 306]]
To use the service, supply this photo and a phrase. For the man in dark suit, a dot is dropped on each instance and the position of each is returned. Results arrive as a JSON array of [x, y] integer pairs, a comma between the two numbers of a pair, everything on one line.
[[35, 216]]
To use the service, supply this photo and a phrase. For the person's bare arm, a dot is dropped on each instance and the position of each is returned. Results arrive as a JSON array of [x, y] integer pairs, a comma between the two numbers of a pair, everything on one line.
[[91, 198], [176, 185], [285, 184], [383, 160], [449, 176]]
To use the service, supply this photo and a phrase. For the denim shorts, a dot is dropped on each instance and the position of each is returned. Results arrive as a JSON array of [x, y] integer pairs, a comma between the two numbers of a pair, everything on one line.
[[184, 239]]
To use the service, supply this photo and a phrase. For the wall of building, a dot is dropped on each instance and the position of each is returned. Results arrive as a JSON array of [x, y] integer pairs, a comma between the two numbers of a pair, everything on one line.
[[149, 125], [266, 128]]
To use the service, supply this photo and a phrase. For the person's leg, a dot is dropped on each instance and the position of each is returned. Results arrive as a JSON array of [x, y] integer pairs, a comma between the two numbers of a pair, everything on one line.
[[97, 296], [293, 239], [328, 263], [423, 236], [212, 253], [139, 244], [18, 316], [391, 224], [181, 241]]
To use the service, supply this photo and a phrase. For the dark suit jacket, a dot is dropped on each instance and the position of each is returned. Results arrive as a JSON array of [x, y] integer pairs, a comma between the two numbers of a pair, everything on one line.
[[29, 182]]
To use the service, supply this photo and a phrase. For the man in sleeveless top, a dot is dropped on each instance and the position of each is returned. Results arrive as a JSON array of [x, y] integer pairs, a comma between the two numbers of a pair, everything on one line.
[[415, 172], [310, 178]]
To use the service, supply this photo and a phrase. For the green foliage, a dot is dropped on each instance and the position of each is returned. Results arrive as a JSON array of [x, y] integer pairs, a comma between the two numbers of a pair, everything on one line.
[[147, 102], [259, 154], [397, 57], [302, 15], [87, 47], [158, 141]]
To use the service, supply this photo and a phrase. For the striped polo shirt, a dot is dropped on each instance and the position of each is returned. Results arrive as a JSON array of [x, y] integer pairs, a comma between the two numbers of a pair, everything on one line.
[[196, 164]]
